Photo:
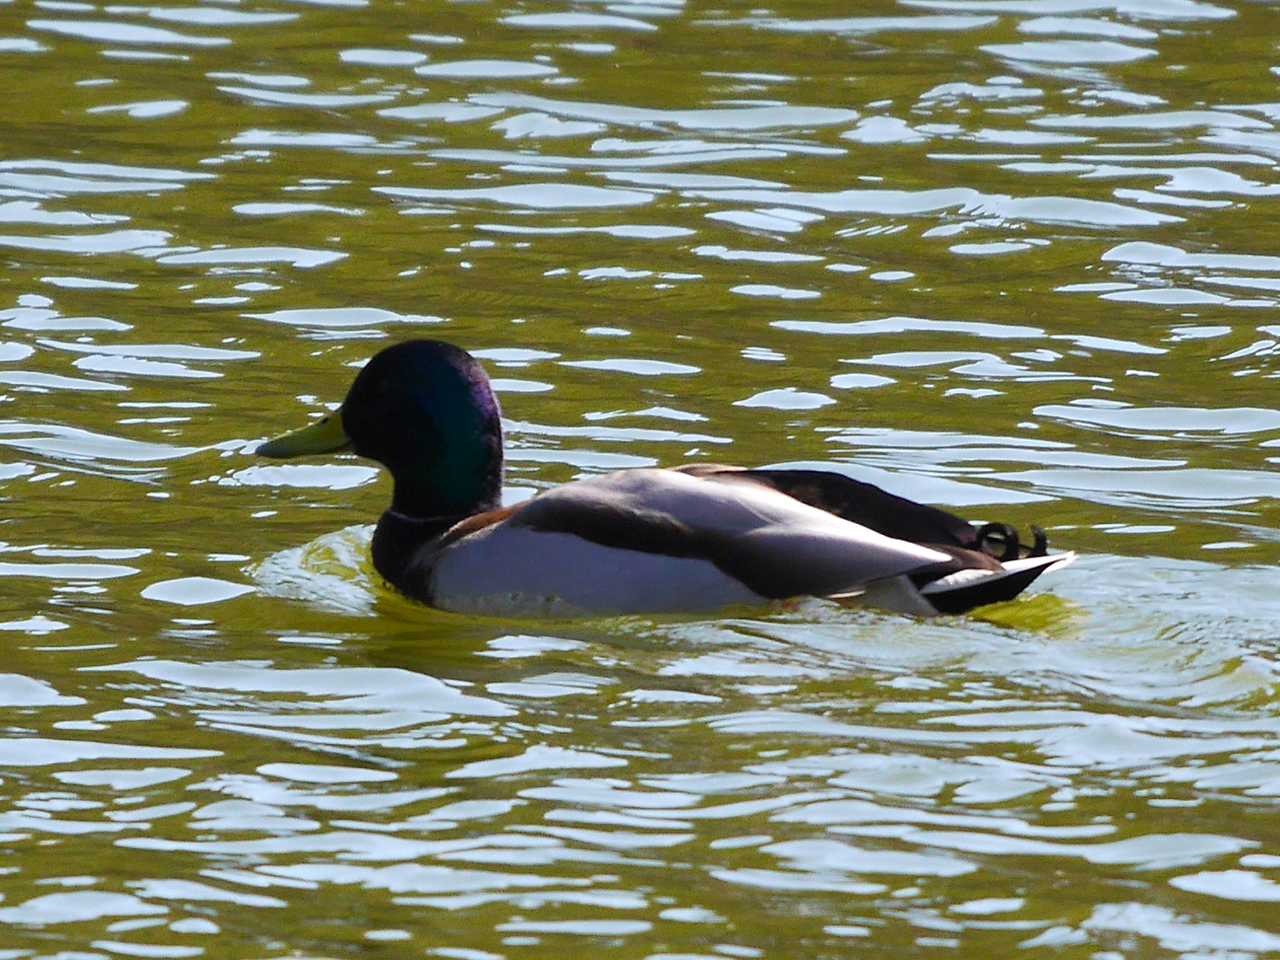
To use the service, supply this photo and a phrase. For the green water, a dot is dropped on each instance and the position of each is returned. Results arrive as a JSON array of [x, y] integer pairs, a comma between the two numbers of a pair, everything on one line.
[[1013, 257]]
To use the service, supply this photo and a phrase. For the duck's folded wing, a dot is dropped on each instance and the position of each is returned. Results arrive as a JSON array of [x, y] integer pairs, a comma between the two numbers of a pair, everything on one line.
[[852, 500], [773, 543]]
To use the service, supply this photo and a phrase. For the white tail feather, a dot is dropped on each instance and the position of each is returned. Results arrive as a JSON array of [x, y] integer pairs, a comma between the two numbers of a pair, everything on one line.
[[966, 578]]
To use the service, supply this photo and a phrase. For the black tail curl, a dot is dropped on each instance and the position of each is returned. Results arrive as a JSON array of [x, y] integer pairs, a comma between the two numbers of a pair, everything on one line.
[[1001, 541]]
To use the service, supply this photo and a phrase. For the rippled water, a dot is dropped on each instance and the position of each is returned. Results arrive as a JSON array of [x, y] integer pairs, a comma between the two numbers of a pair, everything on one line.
[[1011, 256]]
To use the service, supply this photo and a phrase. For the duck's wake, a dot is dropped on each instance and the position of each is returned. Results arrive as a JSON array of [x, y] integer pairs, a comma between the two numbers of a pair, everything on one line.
[[333, 571]]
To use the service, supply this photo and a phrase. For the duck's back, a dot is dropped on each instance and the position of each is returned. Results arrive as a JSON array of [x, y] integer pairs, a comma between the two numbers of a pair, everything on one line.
[[657, 541]]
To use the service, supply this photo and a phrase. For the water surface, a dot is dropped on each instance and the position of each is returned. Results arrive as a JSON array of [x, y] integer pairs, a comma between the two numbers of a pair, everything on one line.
[[1012, 257]]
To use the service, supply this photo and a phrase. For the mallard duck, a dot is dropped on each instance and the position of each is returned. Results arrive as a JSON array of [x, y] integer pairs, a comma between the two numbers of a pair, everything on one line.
[[682, 539]]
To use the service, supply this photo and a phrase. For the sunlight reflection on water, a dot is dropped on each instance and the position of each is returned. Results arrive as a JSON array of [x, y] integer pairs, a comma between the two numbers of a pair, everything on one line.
[[1003, 255]]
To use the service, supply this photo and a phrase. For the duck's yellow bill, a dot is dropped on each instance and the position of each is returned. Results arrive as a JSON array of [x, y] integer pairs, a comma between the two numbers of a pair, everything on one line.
[[324, 436]]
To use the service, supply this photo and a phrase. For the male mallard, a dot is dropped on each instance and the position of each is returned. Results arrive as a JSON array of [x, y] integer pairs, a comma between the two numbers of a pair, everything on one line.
[[690, 538]]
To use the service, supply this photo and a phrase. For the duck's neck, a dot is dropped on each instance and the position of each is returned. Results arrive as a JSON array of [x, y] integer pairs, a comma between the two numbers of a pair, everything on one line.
[[398, 541], [455, 476]]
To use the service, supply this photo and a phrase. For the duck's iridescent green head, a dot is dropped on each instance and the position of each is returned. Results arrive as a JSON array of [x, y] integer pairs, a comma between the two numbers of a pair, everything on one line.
[[423, 409]]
